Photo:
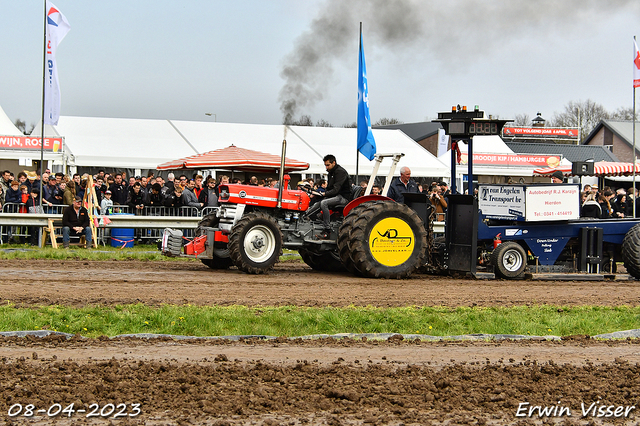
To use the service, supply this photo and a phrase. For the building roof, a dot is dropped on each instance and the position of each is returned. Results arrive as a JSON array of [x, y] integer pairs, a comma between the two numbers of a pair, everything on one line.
[[416, 131], [570, 152], [622, 129]]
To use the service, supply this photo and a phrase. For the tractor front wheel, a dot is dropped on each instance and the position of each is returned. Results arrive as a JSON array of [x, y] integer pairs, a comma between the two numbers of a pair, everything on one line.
[[255, 243]]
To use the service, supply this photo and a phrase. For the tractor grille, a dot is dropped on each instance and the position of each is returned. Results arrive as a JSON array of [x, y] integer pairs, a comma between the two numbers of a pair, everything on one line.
[[227, 217]]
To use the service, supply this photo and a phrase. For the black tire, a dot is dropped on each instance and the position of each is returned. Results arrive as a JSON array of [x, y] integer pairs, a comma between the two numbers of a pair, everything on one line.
[[221, 259], [328, 261], [255, 243], [344, 234], [509, 260], [209, 221], [218, 262], [631, 251], [387, 240]]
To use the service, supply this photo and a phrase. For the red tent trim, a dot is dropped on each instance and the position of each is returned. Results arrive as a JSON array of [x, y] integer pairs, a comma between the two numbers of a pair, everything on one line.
[[603, 168]]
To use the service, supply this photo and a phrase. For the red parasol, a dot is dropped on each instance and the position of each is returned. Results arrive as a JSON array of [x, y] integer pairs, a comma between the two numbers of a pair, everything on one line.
[[234, 158]]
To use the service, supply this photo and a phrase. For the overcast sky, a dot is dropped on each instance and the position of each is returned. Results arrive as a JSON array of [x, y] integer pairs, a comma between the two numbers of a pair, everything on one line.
[[241, 60]]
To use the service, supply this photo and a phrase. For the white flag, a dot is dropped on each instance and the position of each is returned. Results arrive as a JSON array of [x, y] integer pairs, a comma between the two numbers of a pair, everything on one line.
[[443, 142], [636, 65], [57, 28]]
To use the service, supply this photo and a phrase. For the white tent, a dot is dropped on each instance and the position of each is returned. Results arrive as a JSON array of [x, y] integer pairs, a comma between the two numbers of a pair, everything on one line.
[[7, 128], [143, 144], [118, 142], [311, 144]]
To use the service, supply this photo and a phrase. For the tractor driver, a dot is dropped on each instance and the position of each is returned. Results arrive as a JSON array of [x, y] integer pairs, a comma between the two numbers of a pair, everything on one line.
[[338, 192]]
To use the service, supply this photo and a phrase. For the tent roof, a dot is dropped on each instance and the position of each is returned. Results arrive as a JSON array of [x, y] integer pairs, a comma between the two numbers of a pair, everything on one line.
[[119, 142], [7, 128], [140, 143], [416, 131], [570, 152], [481, 145], [602, 168], [234, 158]]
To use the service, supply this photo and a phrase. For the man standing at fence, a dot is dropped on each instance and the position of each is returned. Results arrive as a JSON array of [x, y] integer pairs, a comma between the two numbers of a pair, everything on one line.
[[208, 197], [75, 222], [118, 191], [189, 197]]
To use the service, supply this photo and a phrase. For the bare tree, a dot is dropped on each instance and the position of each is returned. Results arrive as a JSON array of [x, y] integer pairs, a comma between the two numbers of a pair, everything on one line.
[[622, 113], [387, 122], [353, 125], [304, 120], [323, 123], [582, 114], [520, 120]]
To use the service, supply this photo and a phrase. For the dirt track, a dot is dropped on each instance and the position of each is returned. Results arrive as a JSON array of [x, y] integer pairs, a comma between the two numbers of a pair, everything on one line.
[[78, 283], [317, 382]]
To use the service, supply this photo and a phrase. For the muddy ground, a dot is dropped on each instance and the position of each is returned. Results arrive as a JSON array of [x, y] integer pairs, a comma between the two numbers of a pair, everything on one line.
[[79, 283], [307, 382]]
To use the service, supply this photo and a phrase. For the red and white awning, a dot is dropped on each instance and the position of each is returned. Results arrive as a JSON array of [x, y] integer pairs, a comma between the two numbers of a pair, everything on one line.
[[234, 158], [603, 168]]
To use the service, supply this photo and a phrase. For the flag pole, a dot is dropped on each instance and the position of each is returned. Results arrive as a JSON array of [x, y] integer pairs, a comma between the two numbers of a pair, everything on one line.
[[634, 136], [44, 79], [358, 151]]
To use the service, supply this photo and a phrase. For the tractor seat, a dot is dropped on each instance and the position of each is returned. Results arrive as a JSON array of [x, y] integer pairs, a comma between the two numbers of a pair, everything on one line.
[[356, 191]]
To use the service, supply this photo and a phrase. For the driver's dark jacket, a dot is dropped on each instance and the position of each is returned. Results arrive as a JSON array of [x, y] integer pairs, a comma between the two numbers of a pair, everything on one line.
[[338, 182]]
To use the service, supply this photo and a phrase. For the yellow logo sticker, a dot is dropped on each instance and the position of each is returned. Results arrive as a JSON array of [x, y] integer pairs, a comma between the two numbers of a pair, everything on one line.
[[391, 241]]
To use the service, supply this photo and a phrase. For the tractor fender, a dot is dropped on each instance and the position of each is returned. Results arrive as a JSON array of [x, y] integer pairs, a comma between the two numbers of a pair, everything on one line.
[[355, 203]]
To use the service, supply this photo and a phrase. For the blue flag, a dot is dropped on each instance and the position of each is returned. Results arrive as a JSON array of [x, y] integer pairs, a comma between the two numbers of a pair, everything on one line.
[[366, 143]]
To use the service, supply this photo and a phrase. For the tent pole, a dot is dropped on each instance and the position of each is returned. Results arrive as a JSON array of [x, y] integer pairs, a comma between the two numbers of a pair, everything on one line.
[[357, 166]]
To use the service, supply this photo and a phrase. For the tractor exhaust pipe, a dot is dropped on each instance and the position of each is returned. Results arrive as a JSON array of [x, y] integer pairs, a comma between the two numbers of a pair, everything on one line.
[[281, 177]]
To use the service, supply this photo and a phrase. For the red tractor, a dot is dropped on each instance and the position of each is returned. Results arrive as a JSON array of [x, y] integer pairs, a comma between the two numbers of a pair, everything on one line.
[[372, 236]]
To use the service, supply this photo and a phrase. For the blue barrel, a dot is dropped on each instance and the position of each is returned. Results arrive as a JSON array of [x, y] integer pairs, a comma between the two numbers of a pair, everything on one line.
[[119, 235]]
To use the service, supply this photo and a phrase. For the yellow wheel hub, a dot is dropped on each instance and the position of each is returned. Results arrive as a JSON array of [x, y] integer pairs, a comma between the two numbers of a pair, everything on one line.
[[391, 241]]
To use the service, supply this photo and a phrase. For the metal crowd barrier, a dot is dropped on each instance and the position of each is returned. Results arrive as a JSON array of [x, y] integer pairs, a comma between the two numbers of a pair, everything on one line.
[[20, 234], [148, 223]]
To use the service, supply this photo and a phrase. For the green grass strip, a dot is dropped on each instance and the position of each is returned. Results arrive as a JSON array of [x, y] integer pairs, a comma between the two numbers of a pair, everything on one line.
[[146, 252], [142, 252], [297, 321]]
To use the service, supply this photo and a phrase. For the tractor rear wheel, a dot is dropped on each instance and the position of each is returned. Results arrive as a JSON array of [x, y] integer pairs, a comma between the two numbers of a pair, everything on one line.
[[344, 235], [509, 260], [255, 243], [387, 240], [631, 251], [328, 261]]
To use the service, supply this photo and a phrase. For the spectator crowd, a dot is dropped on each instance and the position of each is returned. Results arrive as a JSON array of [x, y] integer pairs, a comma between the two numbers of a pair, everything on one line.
[[139, 192]]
